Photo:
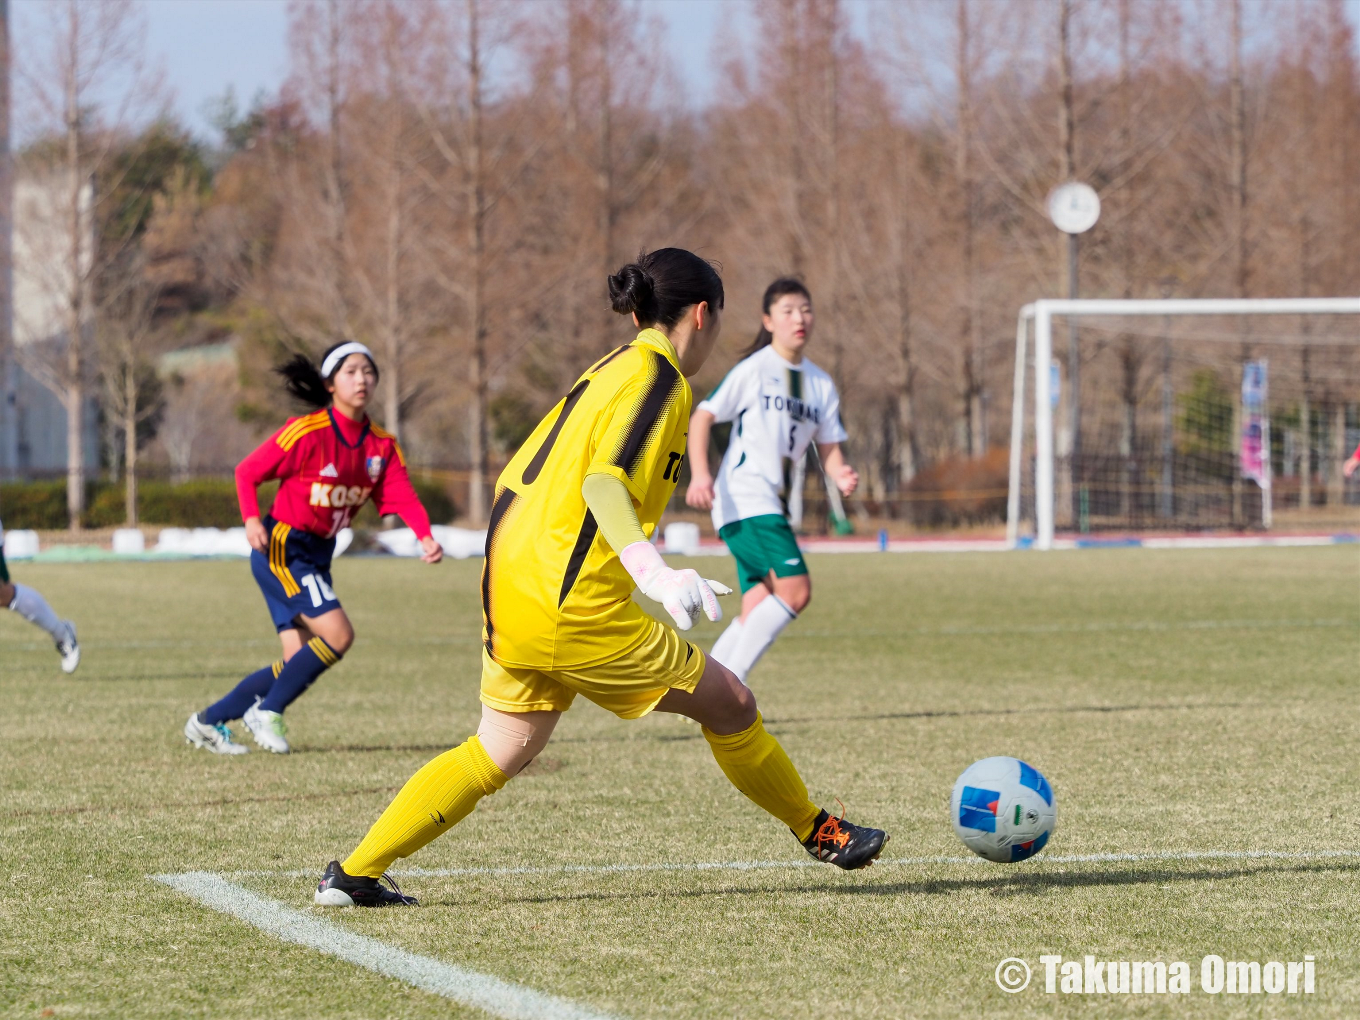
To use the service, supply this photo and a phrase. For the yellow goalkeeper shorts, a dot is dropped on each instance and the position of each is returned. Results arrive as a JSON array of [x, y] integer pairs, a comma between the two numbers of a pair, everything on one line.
[[657, 660]]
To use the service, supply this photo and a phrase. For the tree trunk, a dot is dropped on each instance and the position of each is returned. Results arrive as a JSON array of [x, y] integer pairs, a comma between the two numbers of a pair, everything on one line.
[[1306, 439], [831, 169], [1067, 145], [75, 303], [1130, 366], [1306, 382], [392, 371], [907, 456], [1167, 496], [968, 224], [75, 449], [477, 253], [9, 425], [335, 182], [130, 444], [1238, 131], [1336, 481], [604, 177]]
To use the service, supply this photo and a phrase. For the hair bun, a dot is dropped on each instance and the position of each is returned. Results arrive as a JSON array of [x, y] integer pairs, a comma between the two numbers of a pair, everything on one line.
[[632, 289]]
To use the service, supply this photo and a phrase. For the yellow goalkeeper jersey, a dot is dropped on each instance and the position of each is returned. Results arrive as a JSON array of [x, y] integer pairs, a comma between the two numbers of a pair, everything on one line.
[[554, 594]]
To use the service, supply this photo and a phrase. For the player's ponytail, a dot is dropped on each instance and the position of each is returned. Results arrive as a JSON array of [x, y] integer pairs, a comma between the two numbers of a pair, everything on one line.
[[660, 285], [305, 381], [782, 286]]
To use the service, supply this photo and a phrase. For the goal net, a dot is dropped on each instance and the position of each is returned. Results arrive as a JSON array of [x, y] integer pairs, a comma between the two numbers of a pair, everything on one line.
[[1184, 415]]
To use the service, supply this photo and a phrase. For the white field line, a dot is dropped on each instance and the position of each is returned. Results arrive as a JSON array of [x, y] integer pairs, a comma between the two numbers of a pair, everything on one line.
[[614, 869], [497, 997]]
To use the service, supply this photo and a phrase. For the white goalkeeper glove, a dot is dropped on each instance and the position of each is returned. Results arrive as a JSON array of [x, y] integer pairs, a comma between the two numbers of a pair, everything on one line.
[[683, 593]]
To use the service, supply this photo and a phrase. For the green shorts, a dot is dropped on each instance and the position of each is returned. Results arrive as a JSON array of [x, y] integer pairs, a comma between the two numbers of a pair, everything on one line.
[[4, 570], [761, 544]]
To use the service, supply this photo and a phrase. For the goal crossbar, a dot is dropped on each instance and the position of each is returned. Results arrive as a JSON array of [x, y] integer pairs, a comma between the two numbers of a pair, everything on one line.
[[1041, 314]]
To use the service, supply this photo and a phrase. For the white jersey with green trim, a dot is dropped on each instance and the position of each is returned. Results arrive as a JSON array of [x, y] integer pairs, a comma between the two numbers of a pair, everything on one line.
[[776, 409]]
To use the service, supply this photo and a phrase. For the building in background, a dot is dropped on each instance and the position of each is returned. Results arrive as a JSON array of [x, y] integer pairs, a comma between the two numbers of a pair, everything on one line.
[[36, 442]]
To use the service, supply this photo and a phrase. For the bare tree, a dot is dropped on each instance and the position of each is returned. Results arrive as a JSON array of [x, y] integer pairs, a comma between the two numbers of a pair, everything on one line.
[[476, 165], [125, 336], [393, 301], [452, 206], [89, 52]]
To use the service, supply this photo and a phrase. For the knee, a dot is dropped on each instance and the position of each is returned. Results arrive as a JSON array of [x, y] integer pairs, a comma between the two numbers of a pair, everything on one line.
[[6, 594], [342, 639], [737, 706], [796, 593], [340, 635], [513, 740]]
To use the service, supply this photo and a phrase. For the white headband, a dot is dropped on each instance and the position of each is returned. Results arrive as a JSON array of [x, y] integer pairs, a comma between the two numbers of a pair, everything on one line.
[[336, 357]]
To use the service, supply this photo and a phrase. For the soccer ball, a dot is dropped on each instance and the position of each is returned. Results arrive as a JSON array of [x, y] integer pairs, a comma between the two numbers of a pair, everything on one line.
[[1003, 809]]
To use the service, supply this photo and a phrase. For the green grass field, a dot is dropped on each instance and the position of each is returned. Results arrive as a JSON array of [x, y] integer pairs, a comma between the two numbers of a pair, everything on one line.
[[1178, 701]]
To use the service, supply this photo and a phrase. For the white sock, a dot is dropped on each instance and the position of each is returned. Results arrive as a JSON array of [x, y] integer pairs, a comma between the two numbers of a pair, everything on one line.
[[727, 642], [761, 627], [34, 608]]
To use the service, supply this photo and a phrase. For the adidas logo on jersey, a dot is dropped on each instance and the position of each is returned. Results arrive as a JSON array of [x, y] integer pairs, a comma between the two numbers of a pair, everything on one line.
[[329, 471]]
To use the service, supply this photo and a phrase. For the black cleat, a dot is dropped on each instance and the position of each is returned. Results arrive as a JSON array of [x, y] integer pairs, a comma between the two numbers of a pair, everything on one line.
[[338, 889], [847, 846]]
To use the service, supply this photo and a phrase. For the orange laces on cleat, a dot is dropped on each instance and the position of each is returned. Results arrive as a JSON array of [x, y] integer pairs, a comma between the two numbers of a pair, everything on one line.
[[831, 832]]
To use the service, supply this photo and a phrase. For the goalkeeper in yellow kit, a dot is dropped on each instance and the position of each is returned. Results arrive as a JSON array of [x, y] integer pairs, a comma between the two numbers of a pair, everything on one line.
[[567, 542]]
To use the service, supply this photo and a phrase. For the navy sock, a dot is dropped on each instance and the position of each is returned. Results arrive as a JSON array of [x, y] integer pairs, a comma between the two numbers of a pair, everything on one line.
[[314, 658], [242, 696]]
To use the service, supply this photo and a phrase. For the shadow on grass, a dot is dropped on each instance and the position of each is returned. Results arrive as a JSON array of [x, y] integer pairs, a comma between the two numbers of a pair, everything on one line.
[[233, 675], [1029, 884], [115, 809], [1056, 710], [371, 748]]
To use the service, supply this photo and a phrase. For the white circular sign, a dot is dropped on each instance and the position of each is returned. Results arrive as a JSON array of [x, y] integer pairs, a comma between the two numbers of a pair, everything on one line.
[[1074, 207]]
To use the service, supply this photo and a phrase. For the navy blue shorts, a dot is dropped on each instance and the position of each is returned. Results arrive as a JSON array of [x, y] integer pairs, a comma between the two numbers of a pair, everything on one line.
[[295, 578]]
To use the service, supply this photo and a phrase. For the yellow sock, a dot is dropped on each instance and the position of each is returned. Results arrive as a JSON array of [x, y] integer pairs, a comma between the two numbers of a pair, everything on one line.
[[435, 799], [759, 768]]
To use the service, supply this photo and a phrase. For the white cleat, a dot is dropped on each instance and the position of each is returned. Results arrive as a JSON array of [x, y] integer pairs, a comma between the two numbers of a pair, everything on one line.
[[267, 728], [69, 648], [216, 739]]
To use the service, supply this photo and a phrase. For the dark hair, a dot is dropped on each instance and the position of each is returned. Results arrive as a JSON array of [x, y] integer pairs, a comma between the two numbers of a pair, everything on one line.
[[303, 379], [660, 285], [781, 287]]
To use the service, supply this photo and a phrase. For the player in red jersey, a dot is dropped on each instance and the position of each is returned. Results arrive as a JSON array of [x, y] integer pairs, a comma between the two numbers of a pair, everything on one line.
[[330, 463]]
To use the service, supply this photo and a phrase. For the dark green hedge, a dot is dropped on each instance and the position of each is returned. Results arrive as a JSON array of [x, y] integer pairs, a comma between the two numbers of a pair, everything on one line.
[[201, 503], [36, 505], [433, 494]]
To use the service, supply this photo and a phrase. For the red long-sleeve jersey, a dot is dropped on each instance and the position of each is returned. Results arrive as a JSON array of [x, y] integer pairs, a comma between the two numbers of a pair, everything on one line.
[[330, 466]]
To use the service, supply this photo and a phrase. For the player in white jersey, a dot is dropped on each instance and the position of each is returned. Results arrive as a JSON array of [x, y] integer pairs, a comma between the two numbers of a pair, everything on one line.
[[34, 608], [778, 402]]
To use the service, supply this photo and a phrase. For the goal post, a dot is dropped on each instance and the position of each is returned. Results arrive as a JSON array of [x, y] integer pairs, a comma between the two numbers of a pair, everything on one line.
[[1038, 318]]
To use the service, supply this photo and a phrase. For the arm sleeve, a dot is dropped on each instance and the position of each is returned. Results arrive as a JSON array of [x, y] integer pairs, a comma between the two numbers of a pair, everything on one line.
[[729, 396], [396, 495], [831, 430], [260, 466], [630, 433], [613, 509]]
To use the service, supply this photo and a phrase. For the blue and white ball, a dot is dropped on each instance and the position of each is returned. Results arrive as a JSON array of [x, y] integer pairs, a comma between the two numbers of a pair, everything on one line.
[[1003, 809]]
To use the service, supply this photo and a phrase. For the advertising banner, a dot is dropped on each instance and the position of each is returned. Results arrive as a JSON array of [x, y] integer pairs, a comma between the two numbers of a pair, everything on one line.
[[1255, 449]]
